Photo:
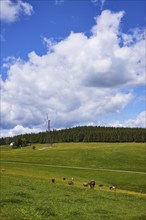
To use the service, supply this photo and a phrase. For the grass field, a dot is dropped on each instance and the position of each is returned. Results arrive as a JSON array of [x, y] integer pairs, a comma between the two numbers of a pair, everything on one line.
[[27, 191]]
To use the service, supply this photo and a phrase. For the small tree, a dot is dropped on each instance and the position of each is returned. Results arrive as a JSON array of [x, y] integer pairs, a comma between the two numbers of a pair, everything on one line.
[[19, 142], [23, 142]]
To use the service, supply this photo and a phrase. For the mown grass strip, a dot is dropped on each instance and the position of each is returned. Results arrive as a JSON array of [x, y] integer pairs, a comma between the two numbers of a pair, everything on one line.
[[72, 167]]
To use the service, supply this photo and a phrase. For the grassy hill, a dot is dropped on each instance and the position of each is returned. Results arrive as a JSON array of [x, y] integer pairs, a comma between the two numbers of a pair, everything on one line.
[[27, 191]]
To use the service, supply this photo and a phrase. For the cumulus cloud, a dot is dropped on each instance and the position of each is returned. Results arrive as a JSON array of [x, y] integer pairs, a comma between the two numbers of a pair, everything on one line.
[[138, 121], [10, 11], [78, 80], [19, 129]]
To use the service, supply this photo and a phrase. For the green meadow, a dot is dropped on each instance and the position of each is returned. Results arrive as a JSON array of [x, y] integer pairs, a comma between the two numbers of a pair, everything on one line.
[[28, 193]]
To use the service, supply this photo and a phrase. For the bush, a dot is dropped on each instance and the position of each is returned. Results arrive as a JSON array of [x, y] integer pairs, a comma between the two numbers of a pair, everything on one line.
[[33, 147]]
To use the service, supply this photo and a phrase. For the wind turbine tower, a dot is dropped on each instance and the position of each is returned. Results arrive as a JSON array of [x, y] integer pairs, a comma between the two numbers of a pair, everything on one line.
[[48, 121]]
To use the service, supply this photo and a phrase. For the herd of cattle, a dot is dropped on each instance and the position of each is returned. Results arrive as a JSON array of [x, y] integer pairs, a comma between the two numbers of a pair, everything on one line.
[[91, 184]]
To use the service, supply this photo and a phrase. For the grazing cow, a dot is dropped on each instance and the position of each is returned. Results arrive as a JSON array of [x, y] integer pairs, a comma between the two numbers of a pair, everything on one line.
[[100, 185], [53, 180], [92, 184], [64, 178], [85, 184], [112, 187], [71, 183]]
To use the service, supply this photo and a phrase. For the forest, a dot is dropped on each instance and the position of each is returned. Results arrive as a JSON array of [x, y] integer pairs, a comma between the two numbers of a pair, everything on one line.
[[79, 134]]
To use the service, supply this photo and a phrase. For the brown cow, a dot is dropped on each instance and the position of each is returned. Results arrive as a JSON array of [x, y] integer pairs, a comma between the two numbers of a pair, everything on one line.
[[71, 183], [85, 184], [100, 185]]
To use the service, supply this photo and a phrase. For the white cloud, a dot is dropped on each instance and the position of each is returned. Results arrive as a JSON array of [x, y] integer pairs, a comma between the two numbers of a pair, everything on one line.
[[99, 2], [49, 43], [134, 35], [78, 80], [10, 11], [59, 2], [139, 121], [19, 129]]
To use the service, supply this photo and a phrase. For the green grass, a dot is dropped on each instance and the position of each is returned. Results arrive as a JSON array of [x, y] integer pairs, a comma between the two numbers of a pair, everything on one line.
[[35, 198], [125, 156], [27, 191]]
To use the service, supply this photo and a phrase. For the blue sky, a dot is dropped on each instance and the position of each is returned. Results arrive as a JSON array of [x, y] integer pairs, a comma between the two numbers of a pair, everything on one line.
[[79, 62]]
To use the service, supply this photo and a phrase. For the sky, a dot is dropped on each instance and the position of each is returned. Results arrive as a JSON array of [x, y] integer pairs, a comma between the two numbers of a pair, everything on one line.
[[74, 62]]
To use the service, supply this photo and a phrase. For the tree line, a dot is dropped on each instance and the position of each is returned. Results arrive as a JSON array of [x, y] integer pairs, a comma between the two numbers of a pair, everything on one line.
[[80, 134]]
